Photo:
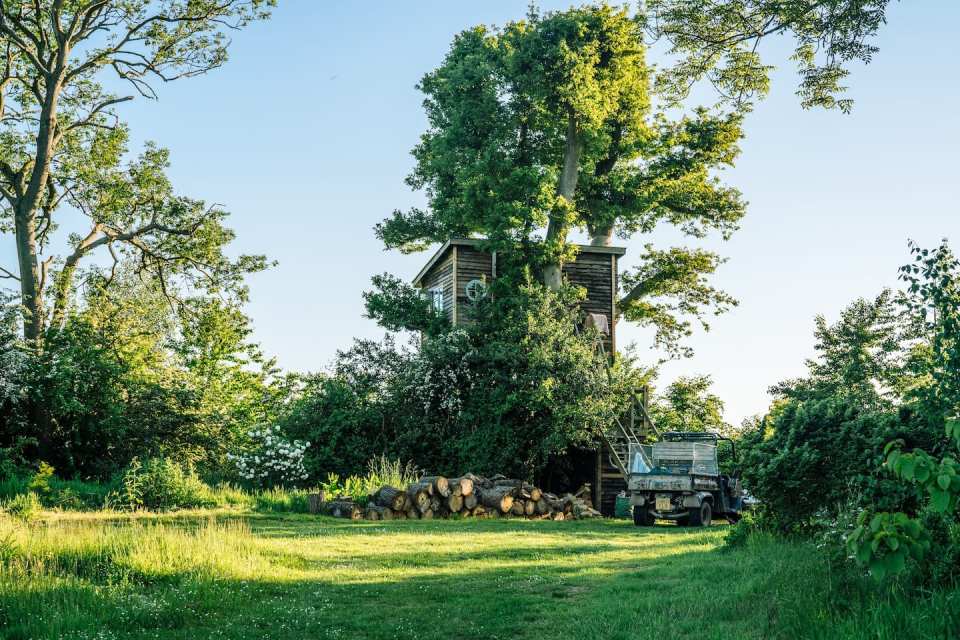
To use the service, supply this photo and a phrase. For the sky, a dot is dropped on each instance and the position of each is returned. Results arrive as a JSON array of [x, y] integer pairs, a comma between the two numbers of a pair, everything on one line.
[[305, 137]]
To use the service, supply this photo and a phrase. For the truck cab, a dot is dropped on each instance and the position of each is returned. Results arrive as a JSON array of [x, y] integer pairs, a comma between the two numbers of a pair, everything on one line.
[[678, 478]]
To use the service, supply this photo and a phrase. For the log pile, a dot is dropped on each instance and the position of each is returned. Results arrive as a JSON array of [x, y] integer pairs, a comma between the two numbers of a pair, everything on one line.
[[467, 496]]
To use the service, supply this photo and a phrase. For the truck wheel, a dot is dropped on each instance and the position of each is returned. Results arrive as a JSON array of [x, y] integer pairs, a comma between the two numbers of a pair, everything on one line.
[[642, 516], [701, 516]]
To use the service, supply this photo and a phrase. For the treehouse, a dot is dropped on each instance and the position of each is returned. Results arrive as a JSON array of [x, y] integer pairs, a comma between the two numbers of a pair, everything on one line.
[[458, 273]]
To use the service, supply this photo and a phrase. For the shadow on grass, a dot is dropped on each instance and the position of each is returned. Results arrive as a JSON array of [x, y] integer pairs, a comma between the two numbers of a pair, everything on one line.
[[325, 578]]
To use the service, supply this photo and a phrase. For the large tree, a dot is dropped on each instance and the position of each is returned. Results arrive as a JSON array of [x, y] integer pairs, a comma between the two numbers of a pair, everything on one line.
[[545, 127], [62, 145]]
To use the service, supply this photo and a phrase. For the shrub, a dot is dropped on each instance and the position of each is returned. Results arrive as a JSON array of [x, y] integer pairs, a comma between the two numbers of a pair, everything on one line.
[[808, 457], [273, 459], [160, 484], [25, 506], [40, 482]]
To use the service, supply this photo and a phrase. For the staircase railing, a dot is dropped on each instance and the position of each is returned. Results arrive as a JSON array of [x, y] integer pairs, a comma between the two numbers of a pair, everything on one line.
[[620, 438]]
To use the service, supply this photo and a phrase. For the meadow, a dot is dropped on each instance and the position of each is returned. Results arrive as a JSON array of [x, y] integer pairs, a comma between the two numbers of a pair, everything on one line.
[[219, 574]]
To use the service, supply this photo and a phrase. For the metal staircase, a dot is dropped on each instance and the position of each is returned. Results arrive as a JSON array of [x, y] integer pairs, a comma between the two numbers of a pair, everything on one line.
[[622, 434]]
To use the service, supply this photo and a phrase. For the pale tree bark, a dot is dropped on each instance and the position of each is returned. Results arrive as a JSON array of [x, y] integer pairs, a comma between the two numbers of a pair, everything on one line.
[[601, 235], [27, 205], [559, 226]]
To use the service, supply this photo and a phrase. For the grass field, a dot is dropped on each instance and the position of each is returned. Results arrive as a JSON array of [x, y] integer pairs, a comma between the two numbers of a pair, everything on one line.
[[271, 576]]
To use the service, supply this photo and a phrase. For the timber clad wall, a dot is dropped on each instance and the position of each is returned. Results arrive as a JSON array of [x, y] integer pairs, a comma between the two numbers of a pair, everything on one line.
[[460, 261], [472, 264], [440, 276], [596, 272]]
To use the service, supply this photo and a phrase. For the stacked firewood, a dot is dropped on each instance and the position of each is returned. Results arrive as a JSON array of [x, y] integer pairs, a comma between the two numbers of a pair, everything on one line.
[[467, 496]]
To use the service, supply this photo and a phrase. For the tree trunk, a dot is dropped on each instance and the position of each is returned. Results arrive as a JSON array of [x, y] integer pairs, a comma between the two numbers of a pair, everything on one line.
[[419, 496], [343, 509], [31, 297], [465, 485], [440, 484], [455, 503], [391, 497], [601, 237], [470, 501], [559, 223], [497, 498]]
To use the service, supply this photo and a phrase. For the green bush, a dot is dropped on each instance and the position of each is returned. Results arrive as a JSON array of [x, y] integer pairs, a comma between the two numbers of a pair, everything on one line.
[[160, 484], [506, 393], [25, 506], [807, 458]]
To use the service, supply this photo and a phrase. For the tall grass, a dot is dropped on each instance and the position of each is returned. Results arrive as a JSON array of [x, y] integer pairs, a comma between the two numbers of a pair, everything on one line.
[[382, 471], [284, 577]]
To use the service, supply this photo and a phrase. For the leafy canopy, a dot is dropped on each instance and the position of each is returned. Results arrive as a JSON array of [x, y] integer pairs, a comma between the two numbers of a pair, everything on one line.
[[546, 126], [720, 41]]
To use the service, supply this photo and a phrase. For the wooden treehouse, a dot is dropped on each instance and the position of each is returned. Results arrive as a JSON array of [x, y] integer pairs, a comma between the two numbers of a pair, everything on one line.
[[450, 281]]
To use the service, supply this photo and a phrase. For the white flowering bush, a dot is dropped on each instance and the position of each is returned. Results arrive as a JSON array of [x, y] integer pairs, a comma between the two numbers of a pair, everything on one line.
[[272, 459]]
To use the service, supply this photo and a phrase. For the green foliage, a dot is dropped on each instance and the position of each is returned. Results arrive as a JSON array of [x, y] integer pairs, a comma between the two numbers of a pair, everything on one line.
[[933, 294], [127, 375], [548, 122], [14, 460], [40, 482], [747, 528], [160, 484], [687, 404], [383, 471], [885, 541], [25, 506], [806, 458], [669, 290], [64, 55], [503, 394], [720, 42], [869, 356], [398, 306]]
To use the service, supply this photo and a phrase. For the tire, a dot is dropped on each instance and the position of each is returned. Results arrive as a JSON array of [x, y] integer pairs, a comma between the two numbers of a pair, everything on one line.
[[701, 516], [642, 516]]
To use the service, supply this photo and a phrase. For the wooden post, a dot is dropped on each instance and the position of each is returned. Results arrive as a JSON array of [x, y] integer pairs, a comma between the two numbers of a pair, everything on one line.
[[598, 485], [456, 285], [645, 398]]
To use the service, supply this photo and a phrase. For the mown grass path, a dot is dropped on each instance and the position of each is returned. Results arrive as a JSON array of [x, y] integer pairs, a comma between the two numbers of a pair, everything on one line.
[[300, 577]]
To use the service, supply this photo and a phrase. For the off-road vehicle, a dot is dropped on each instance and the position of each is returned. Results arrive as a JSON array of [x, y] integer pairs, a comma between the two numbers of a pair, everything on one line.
[[678, 478]]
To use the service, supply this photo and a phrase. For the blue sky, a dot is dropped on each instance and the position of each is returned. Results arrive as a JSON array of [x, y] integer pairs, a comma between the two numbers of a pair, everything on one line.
[[305, 136]]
